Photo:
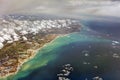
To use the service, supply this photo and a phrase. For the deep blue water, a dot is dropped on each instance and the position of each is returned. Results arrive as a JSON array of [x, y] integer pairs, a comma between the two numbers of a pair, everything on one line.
[[100, 55], [105, 27]]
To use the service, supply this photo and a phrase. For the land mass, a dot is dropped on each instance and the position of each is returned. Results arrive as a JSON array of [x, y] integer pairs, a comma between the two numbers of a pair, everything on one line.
[[14, 54]]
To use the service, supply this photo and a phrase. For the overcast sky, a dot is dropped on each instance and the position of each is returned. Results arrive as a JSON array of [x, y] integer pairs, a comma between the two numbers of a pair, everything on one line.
[[61, 7]]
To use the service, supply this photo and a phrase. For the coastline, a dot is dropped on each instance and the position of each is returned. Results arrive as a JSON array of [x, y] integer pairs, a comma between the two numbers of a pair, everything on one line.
[[34, 53]]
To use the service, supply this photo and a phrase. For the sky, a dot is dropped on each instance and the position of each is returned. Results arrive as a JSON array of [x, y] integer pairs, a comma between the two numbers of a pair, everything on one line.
[[61, 7]]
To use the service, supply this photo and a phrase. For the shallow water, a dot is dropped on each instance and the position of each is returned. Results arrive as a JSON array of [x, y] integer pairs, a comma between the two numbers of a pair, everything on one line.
[[71, 49]]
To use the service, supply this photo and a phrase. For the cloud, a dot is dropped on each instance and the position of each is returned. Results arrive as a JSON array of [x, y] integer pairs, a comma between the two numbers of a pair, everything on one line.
[[109, 10], [61, 7], [1, 45]]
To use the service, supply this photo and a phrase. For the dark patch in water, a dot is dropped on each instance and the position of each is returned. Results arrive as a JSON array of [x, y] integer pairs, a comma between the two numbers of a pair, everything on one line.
[[98, 55]]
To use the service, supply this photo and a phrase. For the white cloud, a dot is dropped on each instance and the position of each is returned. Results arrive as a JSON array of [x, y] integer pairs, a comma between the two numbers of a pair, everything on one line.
[[1, 39], [24, 38], [1, 45], [113, 10], [12, 33], [63, 7], [7, 37]]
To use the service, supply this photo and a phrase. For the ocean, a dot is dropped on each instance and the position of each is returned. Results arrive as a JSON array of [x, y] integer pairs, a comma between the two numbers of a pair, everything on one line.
[[92, 52]]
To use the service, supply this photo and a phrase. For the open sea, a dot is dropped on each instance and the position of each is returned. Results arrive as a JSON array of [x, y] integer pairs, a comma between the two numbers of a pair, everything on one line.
[[92, 52]]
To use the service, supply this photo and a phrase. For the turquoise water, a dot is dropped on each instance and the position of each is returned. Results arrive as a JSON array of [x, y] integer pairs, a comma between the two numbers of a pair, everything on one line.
[[50, 53]]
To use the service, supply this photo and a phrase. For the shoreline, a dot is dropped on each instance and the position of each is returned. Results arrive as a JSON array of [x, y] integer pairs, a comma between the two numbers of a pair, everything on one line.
[[33, 54]]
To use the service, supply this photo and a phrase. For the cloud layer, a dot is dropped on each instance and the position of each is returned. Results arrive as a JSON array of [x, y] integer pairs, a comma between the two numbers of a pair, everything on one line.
[[62, 7]]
